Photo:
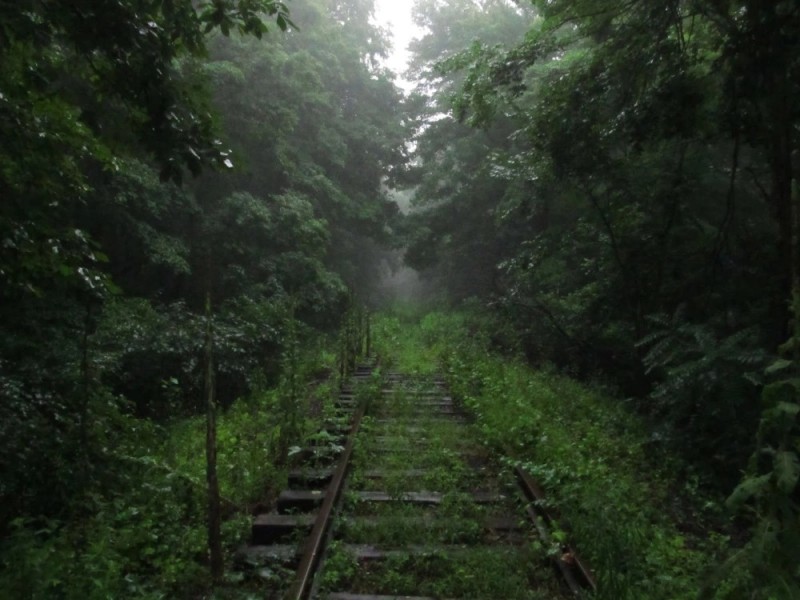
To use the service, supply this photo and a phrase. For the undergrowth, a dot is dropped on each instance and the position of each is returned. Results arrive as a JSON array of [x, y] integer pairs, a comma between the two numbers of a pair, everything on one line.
[[442, 549], [146, 538], [646, 534]]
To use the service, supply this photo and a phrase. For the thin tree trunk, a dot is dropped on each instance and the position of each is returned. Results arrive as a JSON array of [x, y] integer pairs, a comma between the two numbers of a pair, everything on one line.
[[781, 193], [369, 336], [629, 276], [214, 510], [83, 416]]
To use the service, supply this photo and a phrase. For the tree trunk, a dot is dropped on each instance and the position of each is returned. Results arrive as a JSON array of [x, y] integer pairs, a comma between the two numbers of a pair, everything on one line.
[[781, 193], [214, 511], [369, 337]]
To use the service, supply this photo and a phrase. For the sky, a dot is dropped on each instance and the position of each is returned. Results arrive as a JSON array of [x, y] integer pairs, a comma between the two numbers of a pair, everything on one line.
[[396, 15]]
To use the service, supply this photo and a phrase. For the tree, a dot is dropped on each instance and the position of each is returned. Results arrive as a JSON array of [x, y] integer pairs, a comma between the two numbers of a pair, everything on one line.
[[312, 116], [84, 83], [625, 150], [456, 236], [108, 105], [91, 91]]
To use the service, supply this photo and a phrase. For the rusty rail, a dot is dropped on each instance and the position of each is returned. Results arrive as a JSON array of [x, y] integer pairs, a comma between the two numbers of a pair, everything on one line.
[[574, 569], [316, 541]]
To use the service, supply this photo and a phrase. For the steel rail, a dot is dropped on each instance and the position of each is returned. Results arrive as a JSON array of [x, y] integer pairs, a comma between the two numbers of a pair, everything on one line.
[[316, 540], [576, 572]]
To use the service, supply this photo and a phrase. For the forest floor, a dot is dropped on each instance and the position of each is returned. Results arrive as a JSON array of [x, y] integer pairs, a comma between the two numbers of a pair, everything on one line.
[[648, 531], [427, 510]]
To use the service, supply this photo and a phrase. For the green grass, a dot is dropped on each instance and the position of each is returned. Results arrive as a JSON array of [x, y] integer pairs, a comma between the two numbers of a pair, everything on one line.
[[588, 451], [400, 344], [481, 573], [146, 539], [456, 554], [403, 524]]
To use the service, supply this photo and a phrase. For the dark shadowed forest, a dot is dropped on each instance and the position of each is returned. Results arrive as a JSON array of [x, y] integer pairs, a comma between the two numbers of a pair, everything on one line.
[[584, 213]]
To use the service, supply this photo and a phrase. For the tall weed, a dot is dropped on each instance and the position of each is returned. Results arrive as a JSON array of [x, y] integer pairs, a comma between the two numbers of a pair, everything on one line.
[[586, 449]]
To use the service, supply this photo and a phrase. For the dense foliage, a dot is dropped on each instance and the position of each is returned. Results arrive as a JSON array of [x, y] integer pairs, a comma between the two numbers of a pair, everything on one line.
[[645, 533], [155, 154], [619, 180], [615, 183]]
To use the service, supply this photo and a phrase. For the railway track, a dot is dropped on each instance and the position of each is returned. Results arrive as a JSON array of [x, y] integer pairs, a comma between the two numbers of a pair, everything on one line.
[[396, 501]]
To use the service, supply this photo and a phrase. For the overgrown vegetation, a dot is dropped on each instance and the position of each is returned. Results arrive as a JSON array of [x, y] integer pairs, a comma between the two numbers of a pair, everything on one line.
[[611, 185], [617, 182], [154, 156], [144, 535], [445, 550], [615, 179], [647, 530]]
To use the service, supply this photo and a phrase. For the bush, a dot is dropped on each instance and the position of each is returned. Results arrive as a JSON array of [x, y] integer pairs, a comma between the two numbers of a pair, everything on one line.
[[626, 515]]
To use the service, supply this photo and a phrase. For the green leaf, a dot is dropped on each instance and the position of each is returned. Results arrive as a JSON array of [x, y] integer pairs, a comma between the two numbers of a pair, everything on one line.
[[750, 487], [787, 409], [787, 470], [778, 365], [785, 391]]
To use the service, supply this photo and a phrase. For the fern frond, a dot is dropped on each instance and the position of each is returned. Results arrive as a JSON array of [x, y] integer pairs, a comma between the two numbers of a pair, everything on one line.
[[660, 319]]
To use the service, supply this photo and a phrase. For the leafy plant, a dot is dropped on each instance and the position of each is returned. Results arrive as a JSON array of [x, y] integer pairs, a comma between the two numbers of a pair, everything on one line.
[[706, 387], [769, 490], [590, 453]]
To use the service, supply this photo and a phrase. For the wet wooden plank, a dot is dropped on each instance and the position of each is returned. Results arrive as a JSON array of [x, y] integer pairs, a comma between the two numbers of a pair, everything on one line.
[[270, 527], [430, 498], [346, 596], [301, 500]]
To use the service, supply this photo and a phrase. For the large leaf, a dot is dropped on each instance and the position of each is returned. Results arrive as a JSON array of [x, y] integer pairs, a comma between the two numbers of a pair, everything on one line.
[[787, 470], [779, 365], [750, 487], [785, 391]]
